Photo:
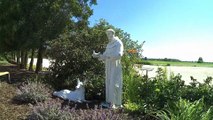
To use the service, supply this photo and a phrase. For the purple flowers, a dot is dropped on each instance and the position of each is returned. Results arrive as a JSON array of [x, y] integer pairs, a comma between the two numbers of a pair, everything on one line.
[[32, 92], [53, 109]]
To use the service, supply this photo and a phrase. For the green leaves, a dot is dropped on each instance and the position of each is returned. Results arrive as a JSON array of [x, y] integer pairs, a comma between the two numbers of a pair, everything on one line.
[[27, 24], [185, 110]]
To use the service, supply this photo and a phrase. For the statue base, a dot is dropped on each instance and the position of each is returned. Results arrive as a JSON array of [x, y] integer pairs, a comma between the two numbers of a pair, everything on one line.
[[105, 105], [108, 105]]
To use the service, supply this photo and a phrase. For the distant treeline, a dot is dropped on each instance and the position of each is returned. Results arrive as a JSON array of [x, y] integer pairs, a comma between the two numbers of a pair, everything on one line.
[[162, 59]]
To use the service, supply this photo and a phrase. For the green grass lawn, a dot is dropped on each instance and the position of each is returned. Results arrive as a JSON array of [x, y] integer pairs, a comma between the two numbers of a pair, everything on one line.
[[171, 63]]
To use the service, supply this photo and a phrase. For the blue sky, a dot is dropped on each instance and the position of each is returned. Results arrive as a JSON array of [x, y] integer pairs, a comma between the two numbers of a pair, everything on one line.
[[181, 29]]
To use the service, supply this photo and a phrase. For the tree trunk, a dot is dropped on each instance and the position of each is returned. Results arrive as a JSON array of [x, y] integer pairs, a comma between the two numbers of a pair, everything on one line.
[[25, 59], [22, 60], [13, 56], [18, 58], [32, 60], [41, 51]]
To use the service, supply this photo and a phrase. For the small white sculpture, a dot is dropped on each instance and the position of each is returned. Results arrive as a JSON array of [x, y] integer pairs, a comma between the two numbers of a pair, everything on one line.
[[77, 96], [96, 55], [112, 59]]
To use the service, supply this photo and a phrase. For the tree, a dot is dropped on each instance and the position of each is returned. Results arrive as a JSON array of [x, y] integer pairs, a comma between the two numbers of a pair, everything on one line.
[[72, 54], [31, 24], [200, 60]]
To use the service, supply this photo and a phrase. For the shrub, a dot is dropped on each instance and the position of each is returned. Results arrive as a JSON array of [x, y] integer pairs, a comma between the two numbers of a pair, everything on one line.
[[152, 94], [95, 87], [197, 90], [148, 95], [72, 54], [54, 111], [185, 110], [159, 91], [32, 92], [101, 114], [131, 85], [50, 111]]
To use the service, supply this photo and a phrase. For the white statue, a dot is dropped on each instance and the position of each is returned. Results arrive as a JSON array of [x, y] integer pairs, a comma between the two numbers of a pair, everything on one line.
[[77, 96], [113, 69]]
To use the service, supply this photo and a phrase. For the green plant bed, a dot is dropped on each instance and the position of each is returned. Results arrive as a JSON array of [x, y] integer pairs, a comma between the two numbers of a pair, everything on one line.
[[185, 110], [147, 96]]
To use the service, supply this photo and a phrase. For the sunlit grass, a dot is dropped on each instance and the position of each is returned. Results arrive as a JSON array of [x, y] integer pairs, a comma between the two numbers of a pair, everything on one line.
[[171, 63]]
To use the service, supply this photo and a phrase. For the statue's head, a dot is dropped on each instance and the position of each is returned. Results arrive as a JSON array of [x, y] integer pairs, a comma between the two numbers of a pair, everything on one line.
[[79, 84], [110, 34]]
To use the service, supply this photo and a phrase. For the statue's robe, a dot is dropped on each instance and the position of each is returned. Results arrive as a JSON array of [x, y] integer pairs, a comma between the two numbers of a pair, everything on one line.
[[113, 82]]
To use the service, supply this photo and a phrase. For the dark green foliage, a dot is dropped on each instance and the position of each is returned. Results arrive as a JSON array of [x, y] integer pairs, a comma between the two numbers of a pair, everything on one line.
[[95, 88], [132, 86], [73, 59], [31, 24], [159, 93], [144, 62], [165, 59], [72, 55], [185, 110], [200, 60], [27, 24], [197, 90]]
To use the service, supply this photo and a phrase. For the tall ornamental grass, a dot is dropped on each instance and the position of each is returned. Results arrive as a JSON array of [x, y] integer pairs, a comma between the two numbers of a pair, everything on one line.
[[185, 110]]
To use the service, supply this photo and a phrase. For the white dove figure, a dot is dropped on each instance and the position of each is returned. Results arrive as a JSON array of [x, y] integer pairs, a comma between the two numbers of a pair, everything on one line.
[[77, 95], [95, 55]]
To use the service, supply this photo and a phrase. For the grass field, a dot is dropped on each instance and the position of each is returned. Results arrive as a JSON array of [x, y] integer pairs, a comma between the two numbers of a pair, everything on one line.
[[181, 63]]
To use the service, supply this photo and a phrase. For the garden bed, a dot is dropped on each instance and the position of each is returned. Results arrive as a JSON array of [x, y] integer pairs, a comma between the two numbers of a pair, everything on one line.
[[14, 110]]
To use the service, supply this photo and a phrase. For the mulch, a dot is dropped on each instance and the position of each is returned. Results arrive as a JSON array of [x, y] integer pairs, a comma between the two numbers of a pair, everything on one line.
[[19, 75], [16, 74]]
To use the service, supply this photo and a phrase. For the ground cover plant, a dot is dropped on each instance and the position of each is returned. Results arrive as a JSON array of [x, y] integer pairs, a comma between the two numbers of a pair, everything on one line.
[[32, 92], [54, 110]]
